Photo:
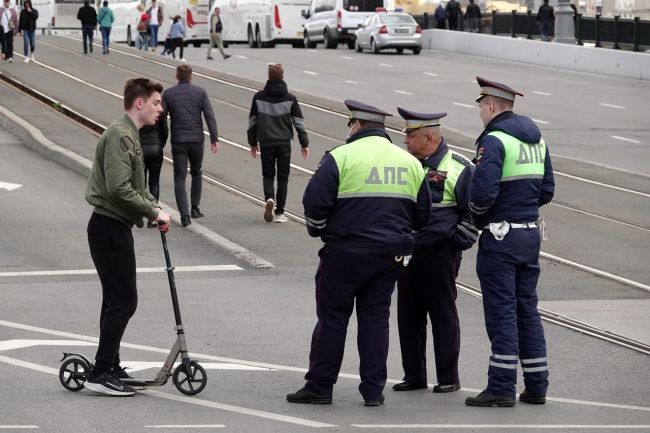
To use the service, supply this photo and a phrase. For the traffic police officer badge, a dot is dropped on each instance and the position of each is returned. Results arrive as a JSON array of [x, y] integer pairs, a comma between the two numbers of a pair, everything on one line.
[[435, 176]]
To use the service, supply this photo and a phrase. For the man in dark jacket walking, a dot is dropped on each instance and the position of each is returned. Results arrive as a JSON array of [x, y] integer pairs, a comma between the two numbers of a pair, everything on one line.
[[274, 114], [453, 12], [473, 17], [545, 18], [186, 104], [88, 17]]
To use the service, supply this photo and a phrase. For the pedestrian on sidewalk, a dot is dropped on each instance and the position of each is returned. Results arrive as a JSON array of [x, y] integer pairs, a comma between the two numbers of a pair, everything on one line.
[[156, 17], [545, 19], [88, 17], [177, 33], [27, 26], [116, 190], [143, 29], [187, 105], [9, 21], [274, 114], [105, 18], [473, 17], [453, 12], [216, 27], [440, 15]]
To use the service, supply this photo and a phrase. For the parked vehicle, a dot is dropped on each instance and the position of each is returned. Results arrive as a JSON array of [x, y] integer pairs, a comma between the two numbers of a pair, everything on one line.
[[383, 30], [57, 14], [262, 23], [194, 14], [334, 22]]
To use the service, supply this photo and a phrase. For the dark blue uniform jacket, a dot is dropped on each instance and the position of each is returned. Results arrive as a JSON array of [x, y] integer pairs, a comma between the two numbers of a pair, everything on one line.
[[373, 225], [515, 201], [447, 224]]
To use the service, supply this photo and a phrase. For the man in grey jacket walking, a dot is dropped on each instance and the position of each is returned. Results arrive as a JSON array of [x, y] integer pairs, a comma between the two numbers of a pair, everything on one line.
[[186, 104]]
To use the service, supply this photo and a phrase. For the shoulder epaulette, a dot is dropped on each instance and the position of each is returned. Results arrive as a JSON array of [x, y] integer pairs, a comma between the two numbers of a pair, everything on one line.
[[460, 158]]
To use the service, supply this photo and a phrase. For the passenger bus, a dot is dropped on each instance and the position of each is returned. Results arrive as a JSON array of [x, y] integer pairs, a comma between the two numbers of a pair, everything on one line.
[[57, 14], [194, 14], [262, 23]]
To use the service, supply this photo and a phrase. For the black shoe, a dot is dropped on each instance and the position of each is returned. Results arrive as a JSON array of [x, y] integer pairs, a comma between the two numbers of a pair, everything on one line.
[[305, 396], [438, 389], [485, 399], [105, 383], [227, 56], [527, 397], [91, 48], [185, 220], [120, 373], [374, 402], [408, 386], [195, 212], [210, 58]]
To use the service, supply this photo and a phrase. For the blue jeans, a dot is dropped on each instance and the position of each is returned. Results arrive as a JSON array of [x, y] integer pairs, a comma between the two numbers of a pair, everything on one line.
[[28, 37], [153, 28], [106, 33]]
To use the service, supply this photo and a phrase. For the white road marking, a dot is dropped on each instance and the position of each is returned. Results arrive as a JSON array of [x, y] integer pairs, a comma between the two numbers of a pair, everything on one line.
[[626, 139], [431, 74], [537, 92], [21, 344], [206, 268], [352, 82], [186, 426], [264, 365], [312, 51], [145, 365], [618, 107], [347, 57], [403, 92], [460, 104], [509, 426], [239, 56], [310, 72], [9, 186], [385, 65], [543, 122], [11, 427]]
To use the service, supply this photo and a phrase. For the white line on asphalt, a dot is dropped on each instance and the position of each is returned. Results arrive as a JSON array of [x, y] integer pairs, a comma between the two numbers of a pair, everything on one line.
[[352, 82], [402, 92], [312, 51], [431, 74], [11, 427], [21, 344], [385, 65], [625, 139], [543, 122], [205, 268], [188, 400], [9, 186], [460, 104], [239, 56], [271, 366], [509, 426], [593, 182], [186, 426], [537, 92], [347, 57], [310, 72], [618, 107]]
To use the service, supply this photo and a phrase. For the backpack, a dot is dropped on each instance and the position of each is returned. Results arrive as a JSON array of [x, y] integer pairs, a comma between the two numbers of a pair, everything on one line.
[[143, 26]]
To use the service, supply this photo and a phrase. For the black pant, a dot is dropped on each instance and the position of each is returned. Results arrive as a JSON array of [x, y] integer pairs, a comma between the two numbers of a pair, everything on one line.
[[181, 153], [8, 49], [453, 22], [428, 286], [87, 32], [177, 42], [271, 155], [111, 248], [153, 159]]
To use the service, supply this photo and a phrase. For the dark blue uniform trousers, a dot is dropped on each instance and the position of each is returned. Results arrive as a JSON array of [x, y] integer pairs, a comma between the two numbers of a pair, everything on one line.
[[508, 271], [428, 286], [344, 277]]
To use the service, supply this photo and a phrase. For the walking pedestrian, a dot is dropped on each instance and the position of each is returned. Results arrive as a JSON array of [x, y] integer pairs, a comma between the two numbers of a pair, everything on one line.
[[88, 17], [274, 113], [186, 103], [513, 178], [216, 27], [453, 12], [364, 201], [545, 19], [152, 140], [143, 29], [2, 42], [116, 189], [473, 17], [105, 19], [440, 15], [156, 17], [9, 21], [428, 285], [27, 26], [177, 33]]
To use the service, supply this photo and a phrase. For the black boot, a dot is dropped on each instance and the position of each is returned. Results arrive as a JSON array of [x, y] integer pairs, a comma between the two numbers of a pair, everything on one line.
[[408, 386], [195, 212], [305, 396], [485, 399], [185, 220], [527, 397]]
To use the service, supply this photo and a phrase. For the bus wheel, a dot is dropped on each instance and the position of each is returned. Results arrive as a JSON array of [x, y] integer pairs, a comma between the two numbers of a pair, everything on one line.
[[251, 38], [258, 38], [129, 39]]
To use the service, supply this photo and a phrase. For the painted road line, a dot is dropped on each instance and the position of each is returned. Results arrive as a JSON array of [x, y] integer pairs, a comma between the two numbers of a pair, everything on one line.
[[402, 92], [537, 92], [189, 400], [12, 427], [385, 65], [310, 72], [9, 186], [587, 427], [629, 140], [432, 74], [312, 51], [347, 57], [618, 107], [460, 104], [239, 56], [543, 122], [182, 427], [352, 82], [204, 268], [282, 367], [22, 344]]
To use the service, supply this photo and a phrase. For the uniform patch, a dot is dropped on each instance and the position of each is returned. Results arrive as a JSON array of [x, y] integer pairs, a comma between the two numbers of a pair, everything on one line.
[[125, 143], [479, 155], [435, 176]]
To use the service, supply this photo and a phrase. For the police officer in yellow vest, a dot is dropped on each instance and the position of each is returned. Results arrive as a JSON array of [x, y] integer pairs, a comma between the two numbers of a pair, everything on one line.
[[363, 201], [513, 178], [428, 286]]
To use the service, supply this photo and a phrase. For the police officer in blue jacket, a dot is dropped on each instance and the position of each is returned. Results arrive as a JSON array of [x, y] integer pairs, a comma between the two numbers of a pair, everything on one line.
[[363, 201], [513, 178], [428, 286]]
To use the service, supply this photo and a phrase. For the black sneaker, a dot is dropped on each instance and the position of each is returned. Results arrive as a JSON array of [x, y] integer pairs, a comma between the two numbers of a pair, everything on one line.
[[105, 383], [185, 220], [196, 212], [305, 396], [227, 56], [485, 399], [374, 402], [527, 397], [120, 373]]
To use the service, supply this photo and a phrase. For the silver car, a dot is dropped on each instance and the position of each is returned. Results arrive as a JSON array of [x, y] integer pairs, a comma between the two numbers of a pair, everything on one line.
[[382, 30]]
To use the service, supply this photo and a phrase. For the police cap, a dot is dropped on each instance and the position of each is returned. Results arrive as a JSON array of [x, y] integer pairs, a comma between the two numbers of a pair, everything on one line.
[[414, 120], [493, 88], [361, 111]]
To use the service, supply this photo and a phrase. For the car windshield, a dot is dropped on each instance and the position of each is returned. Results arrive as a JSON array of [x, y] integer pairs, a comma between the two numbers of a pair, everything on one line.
[[397, 19], [362, 5]]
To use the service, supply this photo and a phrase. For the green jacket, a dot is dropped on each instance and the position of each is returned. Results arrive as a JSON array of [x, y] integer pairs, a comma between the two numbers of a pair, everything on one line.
[[105, 17], [116, 186]]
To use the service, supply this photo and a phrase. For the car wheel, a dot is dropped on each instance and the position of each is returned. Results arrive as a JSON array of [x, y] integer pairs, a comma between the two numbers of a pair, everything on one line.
[[251, 38], [400, 50], [417, 50], [327, 40], [357, 45], [351, 44], [307, 42], [373, 47]]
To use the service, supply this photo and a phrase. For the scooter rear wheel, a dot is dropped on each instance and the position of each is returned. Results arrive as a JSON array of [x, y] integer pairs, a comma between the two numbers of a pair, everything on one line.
[[73, 373], [192, 382]]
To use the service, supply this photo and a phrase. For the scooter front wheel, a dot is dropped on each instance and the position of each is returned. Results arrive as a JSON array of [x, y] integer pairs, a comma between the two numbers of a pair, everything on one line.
[[73, 373], [192, 382]]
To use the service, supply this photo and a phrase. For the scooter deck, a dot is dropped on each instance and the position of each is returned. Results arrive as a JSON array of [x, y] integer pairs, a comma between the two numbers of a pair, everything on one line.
[[141, 382]]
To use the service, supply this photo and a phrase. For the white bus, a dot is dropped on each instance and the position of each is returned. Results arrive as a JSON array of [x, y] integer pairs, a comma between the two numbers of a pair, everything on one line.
[[126, 16], [194, 14], [262, 23], [58, 14]]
